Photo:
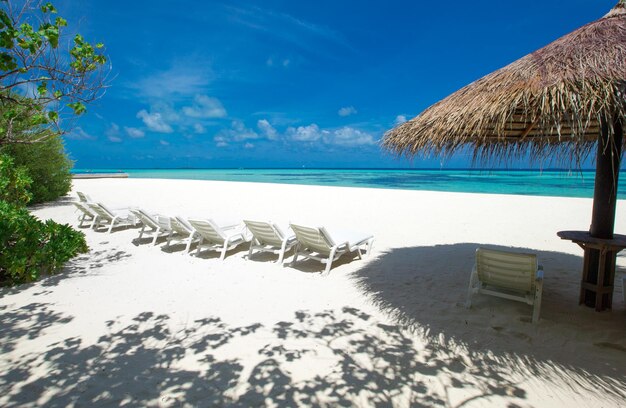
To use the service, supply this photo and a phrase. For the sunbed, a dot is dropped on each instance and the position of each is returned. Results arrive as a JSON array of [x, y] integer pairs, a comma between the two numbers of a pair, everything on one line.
[[183, 232], [509, 275], [157, 225], [86, 214], [268, 237], [216, 238], [316, 243], [113, 218]]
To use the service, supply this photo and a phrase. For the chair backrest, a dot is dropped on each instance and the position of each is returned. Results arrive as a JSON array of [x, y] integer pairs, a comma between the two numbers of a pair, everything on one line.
[[83, 197], [508, 270], [180, 225], [84, 208], [266, 233], [149, 220], [101, 210], [208, 230], [316, 239]]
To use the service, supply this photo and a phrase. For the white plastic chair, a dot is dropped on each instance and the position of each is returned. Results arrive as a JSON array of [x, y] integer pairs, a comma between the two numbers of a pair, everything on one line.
[[83, 197], [508, 275], [183, 232], [216, 238], [316, 243], [86, 214], [105, 216], [157, 225], [268, 237]]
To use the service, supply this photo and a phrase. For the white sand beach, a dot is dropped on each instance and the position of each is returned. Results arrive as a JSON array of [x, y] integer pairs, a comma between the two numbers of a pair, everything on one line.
[[133, 324]]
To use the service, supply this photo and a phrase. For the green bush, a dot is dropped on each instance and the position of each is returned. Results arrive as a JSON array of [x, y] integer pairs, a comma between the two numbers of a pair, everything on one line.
[[48, 166], [14, 182], [30, 247]]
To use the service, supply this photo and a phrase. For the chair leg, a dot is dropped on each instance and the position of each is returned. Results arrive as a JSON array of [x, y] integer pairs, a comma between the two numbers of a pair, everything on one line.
[[96, 223], [330, 261], [198, 247], [112, 224], [470, 290], [224, 249], [281, 254], [188, 247], [537, 301], [295, 255], [156, 235], [250, 250]]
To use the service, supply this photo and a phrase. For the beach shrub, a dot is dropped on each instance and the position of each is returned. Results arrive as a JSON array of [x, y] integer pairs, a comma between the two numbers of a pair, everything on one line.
[[14, 182], [47, 165], [30, 247]]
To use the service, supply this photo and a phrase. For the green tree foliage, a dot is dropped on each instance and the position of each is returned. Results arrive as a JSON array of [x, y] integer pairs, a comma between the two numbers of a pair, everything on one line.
[[30, 247], [46, 164], [39, 80], [14, 182]]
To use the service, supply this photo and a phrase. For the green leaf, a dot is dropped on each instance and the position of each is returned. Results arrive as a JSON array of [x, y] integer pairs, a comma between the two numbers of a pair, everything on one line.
[[42, 89], [78, 108], [48, 8], [53, 115]]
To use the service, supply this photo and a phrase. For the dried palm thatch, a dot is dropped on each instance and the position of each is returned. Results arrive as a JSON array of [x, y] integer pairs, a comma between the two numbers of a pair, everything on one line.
[[550, 103]]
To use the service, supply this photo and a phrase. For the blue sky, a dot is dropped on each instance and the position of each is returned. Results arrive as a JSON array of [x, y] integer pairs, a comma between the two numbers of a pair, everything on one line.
[[290, 83]]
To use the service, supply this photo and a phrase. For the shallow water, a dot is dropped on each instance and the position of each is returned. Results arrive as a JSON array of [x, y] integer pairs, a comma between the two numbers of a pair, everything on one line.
[[526, 182]]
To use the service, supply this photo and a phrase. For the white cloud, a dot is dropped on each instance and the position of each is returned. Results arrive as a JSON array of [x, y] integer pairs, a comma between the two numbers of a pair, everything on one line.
[[309, 133], [205, 107], [267, 129], [164, 142], [198, 128], [220, 141], [134, 132], [79, 133], [182, 80], [154, 121], [113, 133], [348, 136], [240, 132], [400, 119], [248, 146], [347, 111]]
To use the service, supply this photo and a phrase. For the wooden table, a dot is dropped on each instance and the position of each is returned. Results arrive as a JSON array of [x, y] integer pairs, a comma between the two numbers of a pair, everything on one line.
[[596, 287]]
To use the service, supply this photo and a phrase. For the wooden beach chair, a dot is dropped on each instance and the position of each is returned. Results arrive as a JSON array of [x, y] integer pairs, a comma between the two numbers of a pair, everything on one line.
[[104, 215], [183, 232], [157, 225], [316, 243], [508, 275], [216, 238], [268, 237]]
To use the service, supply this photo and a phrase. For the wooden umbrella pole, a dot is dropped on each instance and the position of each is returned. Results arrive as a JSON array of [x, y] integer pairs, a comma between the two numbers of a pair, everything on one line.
[[599, 264]]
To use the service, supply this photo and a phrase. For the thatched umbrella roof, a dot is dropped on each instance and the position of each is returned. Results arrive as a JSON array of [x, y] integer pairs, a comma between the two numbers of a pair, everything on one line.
[[549, 103]]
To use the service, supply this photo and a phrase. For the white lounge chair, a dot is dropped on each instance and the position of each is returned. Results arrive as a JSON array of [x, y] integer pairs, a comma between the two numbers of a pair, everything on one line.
[[104, 215], [508, 275], [268, 237], [215, 238], [86, 214], [157, 225], [83, 197], [183, 232], [316, 243]]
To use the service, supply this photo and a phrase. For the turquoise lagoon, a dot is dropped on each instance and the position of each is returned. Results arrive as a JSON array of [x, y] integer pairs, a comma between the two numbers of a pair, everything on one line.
[[521, 182]]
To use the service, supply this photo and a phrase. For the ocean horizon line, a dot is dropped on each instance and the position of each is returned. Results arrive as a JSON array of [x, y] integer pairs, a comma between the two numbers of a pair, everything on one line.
[[552, 169]]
